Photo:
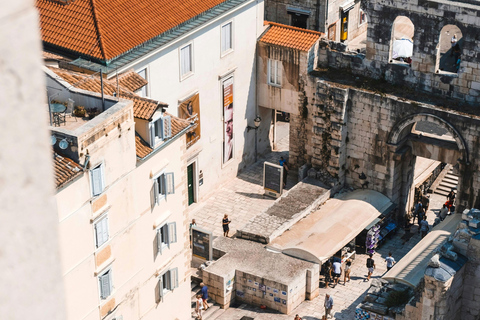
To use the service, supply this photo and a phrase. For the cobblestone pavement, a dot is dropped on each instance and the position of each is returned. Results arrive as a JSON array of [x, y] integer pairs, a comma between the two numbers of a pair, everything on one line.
[[346, 297], [242, 198]]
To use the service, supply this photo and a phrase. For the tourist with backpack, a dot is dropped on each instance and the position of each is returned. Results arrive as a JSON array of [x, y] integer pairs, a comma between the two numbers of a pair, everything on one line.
[[370, 266]]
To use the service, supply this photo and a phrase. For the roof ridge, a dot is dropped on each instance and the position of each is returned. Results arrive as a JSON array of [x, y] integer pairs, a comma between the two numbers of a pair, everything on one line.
[[98, 29], [291, 27]]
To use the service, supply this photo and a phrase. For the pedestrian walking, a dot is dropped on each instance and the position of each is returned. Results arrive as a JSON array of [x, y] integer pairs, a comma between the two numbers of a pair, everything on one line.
[[443, 212], [328, 273], [225, 224], [417, 209], [328, 306], [192, 224], [337, 272], [424, 227], [199, 307], [283, 163], [204, 296], [348, 268], [370, 266], [297, 317], [390, 261]]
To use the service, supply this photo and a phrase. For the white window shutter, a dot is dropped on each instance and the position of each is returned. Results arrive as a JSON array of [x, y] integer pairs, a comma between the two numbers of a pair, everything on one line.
[[278, 72], [159, 240], [166, 231], [98, 234], [104, 223], [166, 127], [96, 181], [152, 134], [160, 287], [172, 232], [270, 71], [162, 186], [102, 178], [174, 278], [105, 285], [156, 191], [169, 183], [228, 36], [168, 280]]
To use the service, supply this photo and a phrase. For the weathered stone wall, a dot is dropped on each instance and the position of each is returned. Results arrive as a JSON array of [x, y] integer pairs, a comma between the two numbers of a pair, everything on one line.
[[352, 133], [471, 289], [428, 18], [276, 11]]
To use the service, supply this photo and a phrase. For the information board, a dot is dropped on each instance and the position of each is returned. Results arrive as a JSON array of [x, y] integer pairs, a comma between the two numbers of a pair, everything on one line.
[[201, 243], [272, 179]]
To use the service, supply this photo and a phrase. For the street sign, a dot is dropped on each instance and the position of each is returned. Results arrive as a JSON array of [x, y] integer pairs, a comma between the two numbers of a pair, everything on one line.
[[272, 179]]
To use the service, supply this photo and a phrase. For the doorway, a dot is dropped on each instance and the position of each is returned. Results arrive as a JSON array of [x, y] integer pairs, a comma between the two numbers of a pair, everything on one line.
[[191, 183]]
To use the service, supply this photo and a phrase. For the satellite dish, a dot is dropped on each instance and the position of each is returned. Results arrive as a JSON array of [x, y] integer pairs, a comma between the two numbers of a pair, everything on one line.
[[53, 140], [63, 144]]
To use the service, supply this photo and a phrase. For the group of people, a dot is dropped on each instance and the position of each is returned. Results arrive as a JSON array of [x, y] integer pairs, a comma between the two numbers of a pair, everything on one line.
[[333, 271], [201, 302]]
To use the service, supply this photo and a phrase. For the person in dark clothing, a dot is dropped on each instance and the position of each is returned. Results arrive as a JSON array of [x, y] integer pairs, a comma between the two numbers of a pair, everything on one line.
[[283, 163], [225, 223]]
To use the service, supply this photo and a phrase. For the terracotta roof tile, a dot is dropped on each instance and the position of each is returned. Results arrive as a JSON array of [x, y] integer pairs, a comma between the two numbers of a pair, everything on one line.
[[131, 81], [142, 148], [65, 169], [105, 29], [290, 37], [52, 56], [143, 108], [177, 124]]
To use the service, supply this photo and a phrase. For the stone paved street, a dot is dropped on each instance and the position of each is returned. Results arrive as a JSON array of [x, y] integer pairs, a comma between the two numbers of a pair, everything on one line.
[[242, 198], [346, 297]]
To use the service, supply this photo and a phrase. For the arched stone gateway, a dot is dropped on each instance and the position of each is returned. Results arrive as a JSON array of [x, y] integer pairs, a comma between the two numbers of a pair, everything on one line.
[[398, 133]]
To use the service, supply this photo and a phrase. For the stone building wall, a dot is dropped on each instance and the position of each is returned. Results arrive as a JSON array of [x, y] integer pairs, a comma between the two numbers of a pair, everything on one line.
[[428, 18], [276, 11], [470, 309]]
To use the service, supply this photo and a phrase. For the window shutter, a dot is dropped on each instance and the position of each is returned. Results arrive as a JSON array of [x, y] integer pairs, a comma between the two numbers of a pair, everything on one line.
[[104, 224], [174, 278], [168, 281], [172, 232], [105, 285], [223, 38], [96, 181], [169, 183], [270, 71], [152, 134], [160, 287], [98, 234], [156, 191], [166, 127], [166, 231], [228, 36], [278, 73], [159, 240], [161, 189]]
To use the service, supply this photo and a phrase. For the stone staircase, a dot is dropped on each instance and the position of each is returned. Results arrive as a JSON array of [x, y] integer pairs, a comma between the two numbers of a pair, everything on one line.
[[213, 312], [449, 182]]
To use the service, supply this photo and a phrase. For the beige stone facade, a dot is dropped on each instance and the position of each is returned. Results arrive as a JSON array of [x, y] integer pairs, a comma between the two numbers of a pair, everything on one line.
[[123, 241]]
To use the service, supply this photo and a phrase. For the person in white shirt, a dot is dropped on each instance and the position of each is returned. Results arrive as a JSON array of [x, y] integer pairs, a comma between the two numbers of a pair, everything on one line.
[[328, 305], [390, 261], [337, 271]]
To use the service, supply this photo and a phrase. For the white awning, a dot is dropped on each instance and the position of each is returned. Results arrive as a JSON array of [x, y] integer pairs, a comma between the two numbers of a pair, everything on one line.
[[411, 268], [323, 233]]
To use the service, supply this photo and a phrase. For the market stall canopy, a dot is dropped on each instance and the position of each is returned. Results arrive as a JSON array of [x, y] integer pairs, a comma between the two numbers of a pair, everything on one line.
[[321, 234], [411, 268]]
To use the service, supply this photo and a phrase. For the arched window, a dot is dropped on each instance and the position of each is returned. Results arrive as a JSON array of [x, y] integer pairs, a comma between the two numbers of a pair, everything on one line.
[[401, 44], [449, 49]]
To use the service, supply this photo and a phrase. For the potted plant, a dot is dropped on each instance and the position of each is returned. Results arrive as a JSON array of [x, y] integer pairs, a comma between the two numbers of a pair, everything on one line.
[[92, 112], [79, 111]]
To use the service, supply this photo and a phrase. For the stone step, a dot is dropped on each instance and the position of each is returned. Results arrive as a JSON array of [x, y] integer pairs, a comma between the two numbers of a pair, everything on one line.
[[213, 312], [450, 180], [451, 176], [447, 184], [444, 189]]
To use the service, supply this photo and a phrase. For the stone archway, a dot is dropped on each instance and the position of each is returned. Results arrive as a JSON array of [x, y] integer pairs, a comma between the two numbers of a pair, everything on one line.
[[402, 143], [398, 132]]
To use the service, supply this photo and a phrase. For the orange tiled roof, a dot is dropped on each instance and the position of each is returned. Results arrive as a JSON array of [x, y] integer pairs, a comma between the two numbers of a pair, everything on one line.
[[290, 37], [143, 108], [52, 56], [131, 80], [65, 169], [105, 29]]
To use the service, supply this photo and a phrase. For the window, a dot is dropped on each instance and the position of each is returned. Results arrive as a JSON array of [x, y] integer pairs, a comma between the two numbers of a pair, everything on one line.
[[97, 179], [166, 235], [186, 61], [101, 231], [274, 72], [227, 44], [143, 92], [105, 284], [167, 282], [163, 185], [160, 130], [362, 17]]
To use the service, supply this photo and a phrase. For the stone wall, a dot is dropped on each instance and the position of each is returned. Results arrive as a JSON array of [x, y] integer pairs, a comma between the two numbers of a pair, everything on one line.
[[276, 11], [428, 18]]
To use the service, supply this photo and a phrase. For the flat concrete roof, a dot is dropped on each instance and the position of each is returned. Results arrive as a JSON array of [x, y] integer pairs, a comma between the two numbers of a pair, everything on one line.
[[411, 268], [321, 234], [252, 257]]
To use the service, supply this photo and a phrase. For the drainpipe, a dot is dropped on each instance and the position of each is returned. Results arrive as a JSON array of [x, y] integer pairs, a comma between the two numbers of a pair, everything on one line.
[[101, 84]]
